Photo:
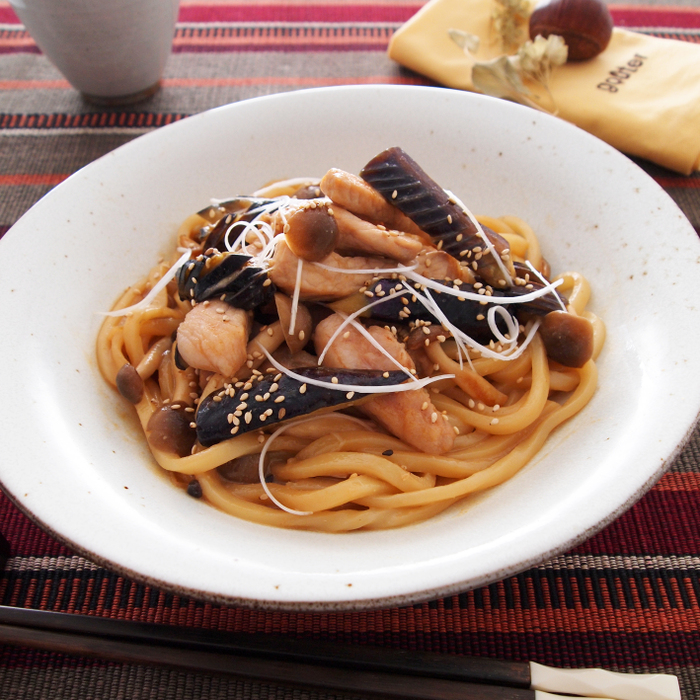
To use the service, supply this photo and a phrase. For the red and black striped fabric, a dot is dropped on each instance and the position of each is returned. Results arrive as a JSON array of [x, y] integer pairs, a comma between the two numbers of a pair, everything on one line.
[[626, 599]]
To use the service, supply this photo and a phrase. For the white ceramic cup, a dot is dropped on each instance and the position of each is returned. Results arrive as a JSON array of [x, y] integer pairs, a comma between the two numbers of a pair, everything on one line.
[[112, 51]]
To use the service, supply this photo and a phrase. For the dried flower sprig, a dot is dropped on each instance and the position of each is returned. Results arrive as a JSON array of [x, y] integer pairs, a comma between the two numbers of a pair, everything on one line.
[[469, 43], [505, 76], [539, 57], [510, 18]]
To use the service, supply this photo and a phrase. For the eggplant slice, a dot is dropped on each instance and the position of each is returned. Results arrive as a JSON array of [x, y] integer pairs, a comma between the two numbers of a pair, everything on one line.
[[403, 183], [276, 397], [227, 276]]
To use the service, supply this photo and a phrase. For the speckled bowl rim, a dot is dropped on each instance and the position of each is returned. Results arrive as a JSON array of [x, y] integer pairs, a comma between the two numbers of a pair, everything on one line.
[[429, 116]]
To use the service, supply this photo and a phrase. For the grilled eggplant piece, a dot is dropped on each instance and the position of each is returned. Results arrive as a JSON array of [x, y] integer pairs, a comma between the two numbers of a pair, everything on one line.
[[273, 398], [403, 183], [227, 276], [402, 306], [225, 214]]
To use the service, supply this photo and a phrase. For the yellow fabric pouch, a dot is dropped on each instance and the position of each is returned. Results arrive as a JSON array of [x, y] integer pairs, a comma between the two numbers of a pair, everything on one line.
[[641, 95]]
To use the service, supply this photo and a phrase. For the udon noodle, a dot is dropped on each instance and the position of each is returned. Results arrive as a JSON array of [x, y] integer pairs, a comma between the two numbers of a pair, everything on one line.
[[431, 386]]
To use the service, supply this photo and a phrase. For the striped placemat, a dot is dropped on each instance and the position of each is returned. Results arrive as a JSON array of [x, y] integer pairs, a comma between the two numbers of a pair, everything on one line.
[[626, 599]]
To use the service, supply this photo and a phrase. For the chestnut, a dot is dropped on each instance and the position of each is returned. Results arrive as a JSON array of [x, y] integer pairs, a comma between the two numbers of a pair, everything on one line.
[[585, 25]]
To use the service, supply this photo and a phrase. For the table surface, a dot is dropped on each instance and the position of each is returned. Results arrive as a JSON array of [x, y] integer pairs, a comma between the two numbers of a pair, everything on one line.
[[627, 599]]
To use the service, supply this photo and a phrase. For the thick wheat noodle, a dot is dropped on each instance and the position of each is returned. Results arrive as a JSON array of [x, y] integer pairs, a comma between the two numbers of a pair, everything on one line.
[[348, 474], [352, 441], [465, 377], [329, 521], [599, 332], [338, 464], [534, 253], [577, 290], [517, 245], [314, 495], [151, 360], [525, 411], [506, 467]]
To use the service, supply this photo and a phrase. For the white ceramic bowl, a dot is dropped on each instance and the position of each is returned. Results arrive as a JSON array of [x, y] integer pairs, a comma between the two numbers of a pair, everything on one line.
[[74, 459]]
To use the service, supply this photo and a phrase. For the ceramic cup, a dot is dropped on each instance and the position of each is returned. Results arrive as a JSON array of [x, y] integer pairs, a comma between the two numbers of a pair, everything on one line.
[[112, 51]]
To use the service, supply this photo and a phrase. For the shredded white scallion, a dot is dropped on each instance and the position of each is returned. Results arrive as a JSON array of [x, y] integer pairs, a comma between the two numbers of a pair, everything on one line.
[[482, 234], [261, 468], [400, 269], [542, 279], [509, 354], [519, 299], [429, 303], [157, 287], [373, 341], [357, 388], [511, 323], [346, 322], [266, 447], [295, 297]]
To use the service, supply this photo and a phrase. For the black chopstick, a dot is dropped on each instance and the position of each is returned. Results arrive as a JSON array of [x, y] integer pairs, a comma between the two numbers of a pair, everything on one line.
[[144, 643], [463, 669]]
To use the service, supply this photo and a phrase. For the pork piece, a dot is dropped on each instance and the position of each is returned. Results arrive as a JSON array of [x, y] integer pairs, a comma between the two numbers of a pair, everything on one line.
[[317, 283], [439, 265], [360, 198], [355, 235], [409, 415], [214, 337]]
